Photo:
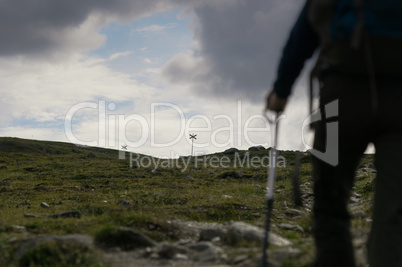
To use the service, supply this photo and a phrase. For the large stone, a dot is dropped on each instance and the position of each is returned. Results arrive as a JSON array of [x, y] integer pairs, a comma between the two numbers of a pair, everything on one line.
[[241, 231], [17, 229], [207, 252], [170, 251], [210, 234], [44, 205], [124, 238], [201, 246], [287, 226], [256, 148], [281, 255], [293, 212], [230, 151]]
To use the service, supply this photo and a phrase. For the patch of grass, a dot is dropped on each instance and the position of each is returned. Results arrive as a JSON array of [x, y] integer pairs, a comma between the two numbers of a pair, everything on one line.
[[51, 253], [111, 237], [6, 253]]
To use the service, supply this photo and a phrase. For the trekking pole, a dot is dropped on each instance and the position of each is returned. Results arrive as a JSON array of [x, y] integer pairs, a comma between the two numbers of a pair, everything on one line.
[[297, 199], [270, 190]]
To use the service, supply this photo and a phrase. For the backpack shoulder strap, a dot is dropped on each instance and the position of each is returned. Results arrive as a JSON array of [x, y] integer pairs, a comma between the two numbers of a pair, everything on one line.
[[320, 15]]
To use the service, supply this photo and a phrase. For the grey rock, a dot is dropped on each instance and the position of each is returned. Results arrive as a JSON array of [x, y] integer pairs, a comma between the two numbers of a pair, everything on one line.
[[353, 200], [306, 193], [368, 170], [44, 205], [70, 214], [281, 255], [287, 226], [359, 214], [216, 239], [169, 251], [40, 186], [293, 212], [257, 186], [17, 229], [184, 242], [211, 234], [256, 148], [28, 215], [240, 258], [201, 246], [154, 256], [241, 231], [125, 203], [280, 216], [126, 239], [191, 229], [230, 151], [207, 252], [64, 214], [180, 257]]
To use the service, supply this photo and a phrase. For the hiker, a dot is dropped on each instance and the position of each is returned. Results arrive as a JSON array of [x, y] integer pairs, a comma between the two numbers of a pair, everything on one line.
[[360, 70]]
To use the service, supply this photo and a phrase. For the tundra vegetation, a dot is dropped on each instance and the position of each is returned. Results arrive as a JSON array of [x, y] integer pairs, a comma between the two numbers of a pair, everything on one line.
[[41, 181]]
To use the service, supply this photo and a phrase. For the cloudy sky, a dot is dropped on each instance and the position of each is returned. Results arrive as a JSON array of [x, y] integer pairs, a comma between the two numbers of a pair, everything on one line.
[[146, 73]]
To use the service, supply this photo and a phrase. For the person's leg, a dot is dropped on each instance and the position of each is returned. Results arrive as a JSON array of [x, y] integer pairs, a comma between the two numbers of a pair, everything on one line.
[[385, 242], [332, 184]]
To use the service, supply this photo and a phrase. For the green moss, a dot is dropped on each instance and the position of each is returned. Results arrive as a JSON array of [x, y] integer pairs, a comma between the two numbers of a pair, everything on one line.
[[51, 253]]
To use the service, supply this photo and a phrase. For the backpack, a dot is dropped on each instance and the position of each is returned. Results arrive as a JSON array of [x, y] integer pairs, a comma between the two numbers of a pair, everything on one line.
[[380, 18], [348, 27]]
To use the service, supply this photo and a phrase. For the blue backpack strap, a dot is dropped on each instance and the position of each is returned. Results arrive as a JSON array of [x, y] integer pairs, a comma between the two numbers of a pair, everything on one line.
[[382, 18]]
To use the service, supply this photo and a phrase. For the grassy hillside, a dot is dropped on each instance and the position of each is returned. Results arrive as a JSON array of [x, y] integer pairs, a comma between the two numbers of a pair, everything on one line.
[[108, 192]]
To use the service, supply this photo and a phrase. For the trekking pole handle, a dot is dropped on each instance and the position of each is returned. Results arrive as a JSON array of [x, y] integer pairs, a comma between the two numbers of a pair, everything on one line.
[[273, 154]]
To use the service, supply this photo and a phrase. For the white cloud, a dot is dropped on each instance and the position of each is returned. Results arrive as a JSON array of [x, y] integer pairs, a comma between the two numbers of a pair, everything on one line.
[[236, 46], [117, 55], [238, 43], [153, 61], [44, 92], [155, 28], [52, 29]]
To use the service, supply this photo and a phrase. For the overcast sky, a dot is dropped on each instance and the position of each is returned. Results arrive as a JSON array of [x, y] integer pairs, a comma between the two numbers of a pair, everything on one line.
[[145, 73]]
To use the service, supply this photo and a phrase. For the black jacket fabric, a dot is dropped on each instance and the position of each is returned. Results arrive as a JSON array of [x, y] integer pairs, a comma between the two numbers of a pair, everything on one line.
[[300, 46]]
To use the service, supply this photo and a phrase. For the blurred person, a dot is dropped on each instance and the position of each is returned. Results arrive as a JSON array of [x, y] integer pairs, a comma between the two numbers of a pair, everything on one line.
[[359, 67]]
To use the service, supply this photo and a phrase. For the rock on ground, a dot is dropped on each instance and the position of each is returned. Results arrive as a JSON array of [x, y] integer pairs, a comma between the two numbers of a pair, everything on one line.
[[240, 231]]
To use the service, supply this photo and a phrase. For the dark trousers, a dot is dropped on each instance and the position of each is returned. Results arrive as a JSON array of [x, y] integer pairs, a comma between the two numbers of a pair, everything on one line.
[[358, 125]]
